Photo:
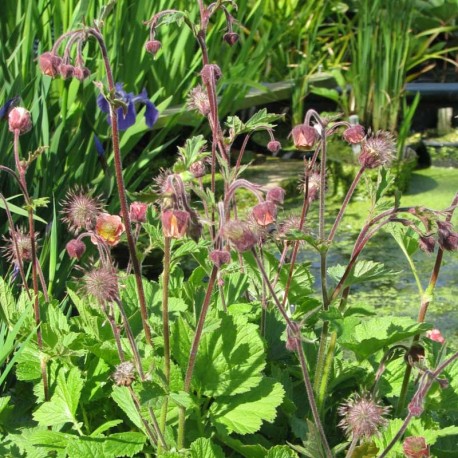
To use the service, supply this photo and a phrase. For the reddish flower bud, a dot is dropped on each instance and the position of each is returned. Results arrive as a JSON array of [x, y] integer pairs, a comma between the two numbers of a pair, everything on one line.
[[174, 223], [354, 134], [274, 146], [198, 169], [265, 213], [19, 119], [427, 243], [81, 73], [448, 239], [210, 72], [76, 248], [304, 137], [276, 195], [415, 447], [220, 257], [66, 70], [435, 334], [153, 46], [109, 228], [240, 235], [231, 38], [137, 212], [49, 63]]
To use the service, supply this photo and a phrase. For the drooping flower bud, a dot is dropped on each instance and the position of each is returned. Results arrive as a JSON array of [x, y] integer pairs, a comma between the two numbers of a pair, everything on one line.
[[18, 247], [415, 447], [19, 119], [75, 248], [426, 243], [66, 70], [274, 146], [362, 416], [210, 72], [153, 46], [137, 212], [354, 134], [231, 38], [174, 223], [377, 150], [447, 238], [81, 73], [198, 169], [124, 374], [276, 195], [265, 213], [109, 228], [49, 64], [220, 257], [240, 235], [304, 137], [436, 335]]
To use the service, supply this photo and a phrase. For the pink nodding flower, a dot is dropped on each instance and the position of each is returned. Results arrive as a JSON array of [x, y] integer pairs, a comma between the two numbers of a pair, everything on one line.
[[19, 119], [137, 212], [436, 335], [109, 228], [175, 223]]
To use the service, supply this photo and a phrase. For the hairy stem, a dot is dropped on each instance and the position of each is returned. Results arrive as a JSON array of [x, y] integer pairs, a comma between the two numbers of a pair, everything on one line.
[[300, 352], [193, 353], [122, 190]]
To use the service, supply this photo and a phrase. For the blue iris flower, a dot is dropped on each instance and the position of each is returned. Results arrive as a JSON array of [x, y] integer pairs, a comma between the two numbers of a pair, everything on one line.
[[4, 110], [127, 118]]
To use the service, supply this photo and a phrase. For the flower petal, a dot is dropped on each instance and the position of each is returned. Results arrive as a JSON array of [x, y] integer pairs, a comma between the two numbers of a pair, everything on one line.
[[128, 119], [103, 104], [151, 114], [99, 147]]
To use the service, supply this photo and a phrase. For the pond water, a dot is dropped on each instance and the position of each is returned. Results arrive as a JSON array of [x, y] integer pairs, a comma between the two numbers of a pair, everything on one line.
[[433, 187]]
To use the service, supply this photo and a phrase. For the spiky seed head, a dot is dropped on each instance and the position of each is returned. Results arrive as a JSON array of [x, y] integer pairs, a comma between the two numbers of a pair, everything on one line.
[[362, 416], [377, 150], [80, 210], [415, 447], [124, 375], [18, 246], [198, 100], [102, 284]]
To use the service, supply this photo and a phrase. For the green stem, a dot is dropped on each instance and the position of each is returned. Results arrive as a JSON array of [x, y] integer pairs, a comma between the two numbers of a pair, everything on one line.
[[193, 353], [301, 356]]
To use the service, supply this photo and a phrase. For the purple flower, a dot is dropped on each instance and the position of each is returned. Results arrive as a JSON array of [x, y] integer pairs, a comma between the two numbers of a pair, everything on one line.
[[4, 110], [127, 118]]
